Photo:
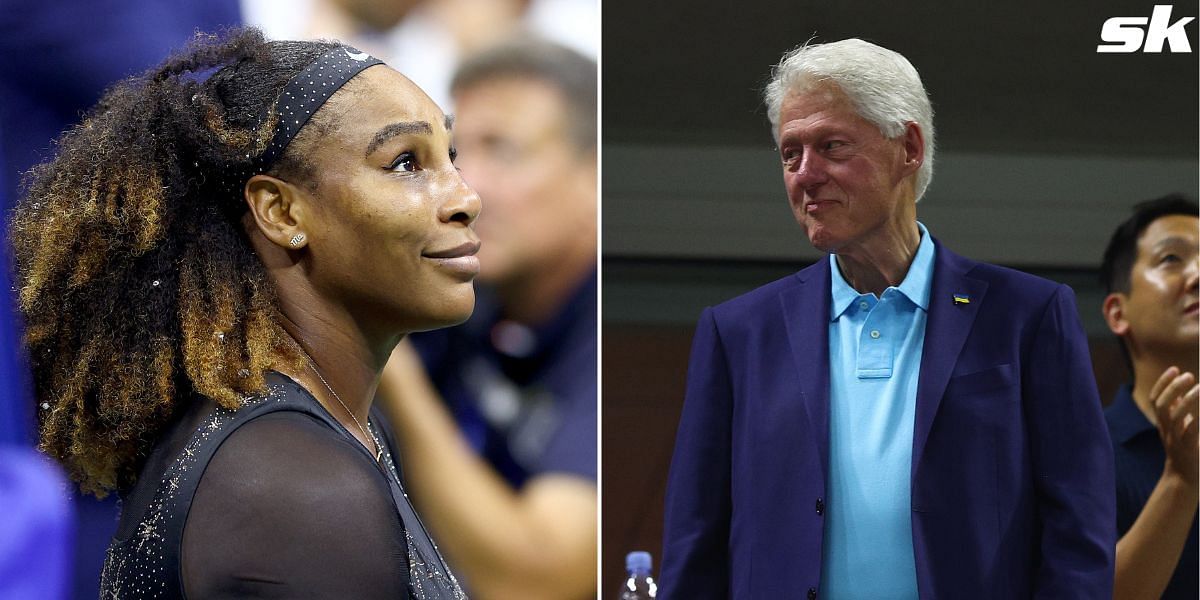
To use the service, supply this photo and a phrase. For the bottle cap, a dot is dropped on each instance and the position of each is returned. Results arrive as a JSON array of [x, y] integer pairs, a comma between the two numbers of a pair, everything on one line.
[[638, 562]]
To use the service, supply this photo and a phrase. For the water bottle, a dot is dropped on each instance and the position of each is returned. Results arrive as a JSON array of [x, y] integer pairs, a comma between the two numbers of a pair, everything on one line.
[[640, 585]]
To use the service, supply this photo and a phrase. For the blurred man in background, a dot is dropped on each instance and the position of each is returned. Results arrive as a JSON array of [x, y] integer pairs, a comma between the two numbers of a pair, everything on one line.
[[426, 39], [1150, 271], [497, 417]]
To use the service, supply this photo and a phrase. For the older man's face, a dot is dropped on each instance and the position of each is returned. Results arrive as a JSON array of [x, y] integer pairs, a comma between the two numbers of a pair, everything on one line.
[[846, 182]]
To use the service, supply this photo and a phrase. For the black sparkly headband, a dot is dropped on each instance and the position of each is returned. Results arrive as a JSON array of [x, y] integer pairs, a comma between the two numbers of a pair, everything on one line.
[[303, 95]]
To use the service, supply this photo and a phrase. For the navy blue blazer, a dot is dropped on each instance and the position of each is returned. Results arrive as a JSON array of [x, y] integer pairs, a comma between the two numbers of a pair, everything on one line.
[[1012, 472]]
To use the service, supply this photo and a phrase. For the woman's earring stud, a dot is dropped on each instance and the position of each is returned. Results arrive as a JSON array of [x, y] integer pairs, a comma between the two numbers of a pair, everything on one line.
[[297, 240]]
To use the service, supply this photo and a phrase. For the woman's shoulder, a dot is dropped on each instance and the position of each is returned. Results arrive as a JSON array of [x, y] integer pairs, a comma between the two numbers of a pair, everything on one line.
[[281, 443], [238, 487], [184, 448], [281, 486], [281, 410], [287, 451]]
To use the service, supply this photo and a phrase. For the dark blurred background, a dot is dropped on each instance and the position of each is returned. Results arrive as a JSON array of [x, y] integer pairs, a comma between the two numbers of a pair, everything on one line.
[[1043, 146]]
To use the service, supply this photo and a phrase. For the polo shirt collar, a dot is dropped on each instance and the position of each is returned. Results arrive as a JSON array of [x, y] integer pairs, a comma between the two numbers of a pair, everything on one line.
[[916, 286], [1125, 420]]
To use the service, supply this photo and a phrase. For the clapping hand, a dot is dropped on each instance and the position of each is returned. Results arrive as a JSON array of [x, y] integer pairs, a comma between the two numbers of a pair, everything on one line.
[[1174, 397]]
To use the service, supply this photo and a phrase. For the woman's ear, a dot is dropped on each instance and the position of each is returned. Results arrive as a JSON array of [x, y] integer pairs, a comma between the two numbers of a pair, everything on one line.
[[278, 208]]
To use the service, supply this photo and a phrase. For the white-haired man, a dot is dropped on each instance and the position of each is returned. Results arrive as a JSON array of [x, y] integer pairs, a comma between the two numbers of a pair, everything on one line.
[[895, 421]]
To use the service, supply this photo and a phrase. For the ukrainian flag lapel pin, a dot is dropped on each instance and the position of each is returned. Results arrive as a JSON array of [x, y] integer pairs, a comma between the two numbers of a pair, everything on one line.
[[962, 299]]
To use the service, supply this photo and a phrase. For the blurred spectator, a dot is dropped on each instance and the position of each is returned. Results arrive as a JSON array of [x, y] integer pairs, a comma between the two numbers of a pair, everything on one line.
[[1150, 270], [70, 51], [35, 518], [62, 56], [511, 490], [16, 406], [425, 39], [35, 549]]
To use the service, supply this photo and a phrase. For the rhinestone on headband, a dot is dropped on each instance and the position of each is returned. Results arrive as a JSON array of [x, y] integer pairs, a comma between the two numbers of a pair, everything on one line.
[[303, 95]]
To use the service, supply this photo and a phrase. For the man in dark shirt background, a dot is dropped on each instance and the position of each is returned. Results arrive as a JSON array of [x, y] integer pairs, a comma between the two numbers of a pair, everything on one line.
[[1151, 270], [497, 417]]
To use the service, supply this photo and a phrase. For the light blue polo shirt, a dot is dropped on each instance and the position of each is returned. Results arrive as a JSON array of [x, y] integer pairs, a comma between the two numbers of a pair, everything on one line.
[[874, 359]]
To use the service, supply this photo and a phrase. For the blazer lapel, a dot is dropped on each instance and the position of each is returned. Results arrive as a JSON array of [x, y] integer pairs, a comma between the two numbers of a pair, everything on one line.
[[806, 317], [946, 329]]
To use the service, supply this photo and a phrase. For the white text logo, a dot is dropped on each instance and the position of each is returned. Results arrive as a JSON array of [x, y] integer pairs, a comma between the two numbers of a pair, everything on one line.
[[1125, 34]]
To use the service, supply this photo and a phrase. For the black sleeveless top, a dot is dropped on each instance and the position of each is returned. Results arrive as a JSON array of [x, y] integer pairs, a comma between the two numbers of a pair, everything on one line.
[[274, 500]]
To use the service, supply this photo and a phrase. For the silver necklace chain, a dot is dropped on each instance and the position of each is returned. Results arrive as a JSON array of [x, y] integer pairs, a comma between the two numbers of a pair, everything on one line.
[[366, 434]]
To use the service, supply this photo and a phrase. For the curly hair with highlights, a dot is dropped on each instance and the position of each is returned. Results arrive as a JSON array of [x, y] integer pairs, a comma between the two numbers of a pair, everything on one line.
[[136, 277]]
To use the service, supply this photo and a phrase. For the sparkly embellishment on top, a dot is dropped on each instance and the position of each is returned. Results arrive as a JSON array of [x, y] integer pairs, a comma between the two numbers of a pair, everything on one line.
[[127, 572], [429, 578], [133, 567]]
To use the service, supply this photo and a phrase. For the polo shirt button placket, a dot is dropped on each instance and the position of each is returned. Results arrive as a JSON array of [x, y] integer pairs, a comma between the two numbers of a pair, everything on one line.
[[812, 593], [820, 506]]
